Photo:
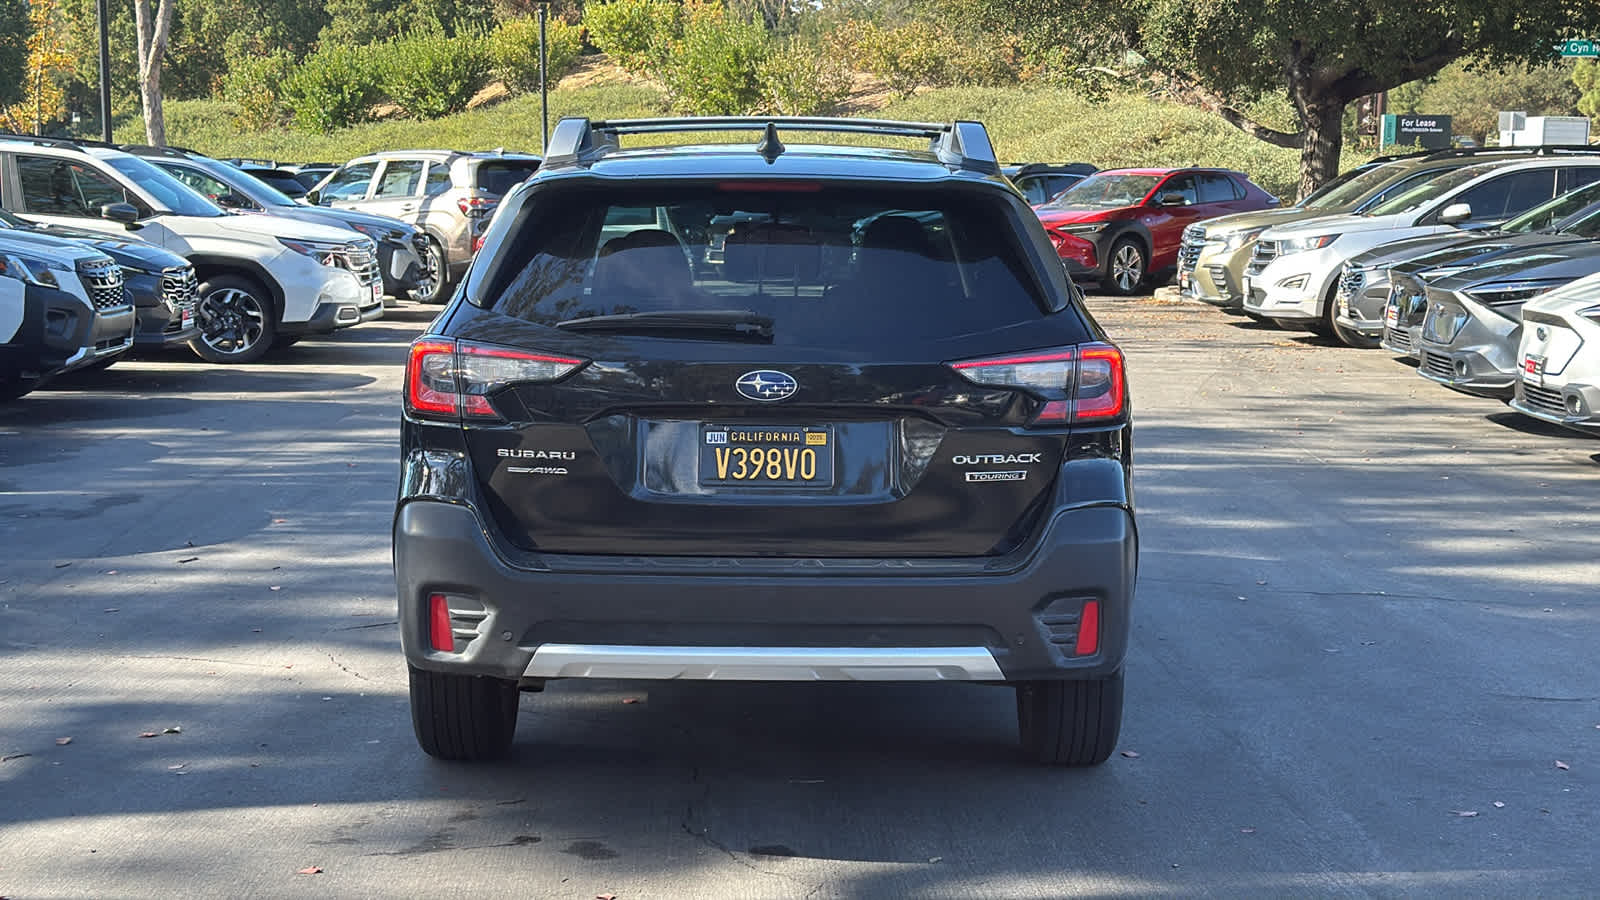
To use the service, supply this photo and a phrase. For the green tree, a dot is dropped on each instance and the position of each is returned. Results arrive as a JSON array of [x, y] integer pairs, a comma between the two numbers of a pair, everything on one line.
[[13, 49], [1474, 95], [1324, 54], [362, 22], [48, 64], [1586, 77]]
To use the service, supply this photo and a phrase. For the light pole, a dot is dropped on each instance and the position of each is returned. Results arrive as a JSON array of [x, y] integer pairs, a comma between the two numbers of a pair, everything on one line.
[[544, 86], [105, 71]]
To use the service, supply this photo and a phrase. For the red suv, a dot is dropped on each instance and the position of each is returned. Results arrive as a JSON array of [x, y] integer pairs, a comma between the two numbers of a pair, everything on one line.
[[1118, 226]]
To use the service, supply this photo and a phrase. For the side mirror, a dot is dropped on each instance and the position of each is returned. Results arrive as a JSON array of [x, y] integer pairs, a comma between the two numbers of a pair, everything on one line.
[[1172, 198], [314, 198], [1456, 213], [125, 213]]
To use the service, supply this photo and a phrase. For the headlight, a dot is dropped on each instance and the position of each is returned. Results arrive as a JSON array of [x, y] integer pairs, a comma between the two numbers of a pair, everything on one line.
[[1084, 230], [1301, 245], [1506, 298], [381, 233], [1239, 238], [32, 269], [325, 252]]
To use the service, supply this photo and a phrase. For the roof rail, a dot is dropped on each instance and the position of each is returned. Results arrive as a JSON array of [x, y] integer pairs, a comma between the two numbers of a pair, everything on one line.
[[577, 141], [151, 150]]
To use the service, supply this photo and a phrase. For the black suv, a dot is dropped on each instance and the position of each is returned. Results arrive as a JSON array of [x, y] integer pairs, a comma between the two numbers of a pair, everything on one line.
[[875, 438]]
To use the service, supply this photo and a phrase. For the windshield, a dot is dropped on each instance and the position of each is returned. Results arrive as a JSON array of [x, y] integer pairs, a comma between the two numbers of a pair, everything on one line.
[[1106, 191], [261, 192], [1424, 194], [171, 193], [1547, 215], [826, 268], [1584, 223], [1349, 188]]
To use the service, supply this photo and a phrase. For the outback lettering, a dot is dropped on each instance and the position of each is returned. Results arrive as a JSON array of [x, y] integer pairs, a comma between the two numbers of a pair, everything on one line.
[[997, 459]]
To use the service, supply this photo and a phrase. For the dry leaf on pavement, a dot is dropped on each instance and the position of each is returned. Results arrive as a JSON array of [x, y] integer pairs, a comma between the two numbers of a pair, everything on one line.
[[1562, 766], [1131, 754], [63, 741], [1466, 813], [310, 870]]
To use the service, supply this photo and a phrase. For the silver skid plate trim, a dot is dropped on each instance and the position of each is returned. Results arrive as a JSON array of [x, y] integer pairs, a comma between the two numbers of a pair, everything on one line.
[[765, 663]]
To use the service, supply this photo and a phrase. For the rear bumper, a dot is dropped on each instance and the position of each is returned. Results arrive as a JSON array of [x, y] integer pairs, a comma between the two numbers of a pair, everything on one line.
[[894, 624]]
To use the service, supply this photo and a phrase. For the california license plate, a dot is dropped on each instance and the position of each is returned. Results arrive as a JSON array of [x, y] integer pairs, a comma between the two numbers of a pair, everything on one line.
[[377, 292], [1183, 280], [187, 318], [1391, 315], [1344, 307], [766, 455]]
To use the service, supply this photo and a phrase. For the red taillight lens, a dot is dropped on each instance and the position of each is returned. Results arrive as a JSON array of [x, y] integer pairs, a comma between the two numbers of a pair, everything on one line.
[[476, 207], [440, 634], [1078, 384], [1101, 384], [431, 378], [450, 379]]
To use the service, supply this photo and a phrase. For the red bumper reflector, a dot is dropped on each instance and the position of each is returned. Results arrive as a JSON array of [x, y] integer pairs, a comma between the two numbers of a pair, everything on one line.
[[441, 636], [1089, 629]]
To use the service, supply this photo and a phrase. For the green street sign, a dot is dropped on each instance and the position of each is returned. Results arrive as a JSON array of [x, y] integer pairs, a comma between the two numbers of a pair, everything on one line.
[[1579, 48]]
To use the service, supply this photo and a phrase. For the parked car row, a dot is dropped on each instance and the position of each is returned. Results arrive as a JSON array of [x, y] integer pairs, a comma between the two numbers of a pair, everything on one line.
[[1481, 267], [106, 249]]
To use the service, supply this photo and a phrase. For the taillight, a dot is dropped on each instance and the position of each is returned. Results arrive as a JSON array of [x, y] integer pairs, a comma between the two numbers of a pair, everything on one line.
[[477, 207], [1078, 384], [453, 379]]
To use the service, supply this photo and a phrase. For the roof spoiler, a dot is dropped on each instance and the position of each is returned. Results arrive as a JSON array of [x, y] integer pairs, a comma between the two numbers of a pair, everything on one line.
[[577, 141]]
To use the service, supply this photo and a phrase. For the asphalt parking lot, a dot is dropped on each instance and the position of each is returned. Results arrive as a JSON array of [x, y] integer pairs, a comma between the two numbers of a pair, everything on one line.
[[1363, 663]]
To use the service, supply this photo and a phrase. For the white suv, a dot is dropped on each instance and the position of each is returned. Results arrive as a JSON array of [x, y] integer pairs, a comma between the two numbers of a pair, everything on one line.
[[1559, 359], [263, 279], [1294, 275]]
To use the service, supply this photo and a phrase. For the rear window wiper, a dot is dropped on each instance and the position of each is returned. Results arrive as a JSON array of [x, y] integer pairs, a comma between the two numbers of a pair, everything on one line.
[[740, 324]]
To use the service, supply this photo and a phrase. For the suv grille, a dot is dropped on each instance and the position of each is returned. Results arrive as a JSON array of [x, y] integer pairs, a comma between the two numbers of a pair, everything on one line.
[[1351, 282], [1543, 399], [179, 290], [1189, 252], [362, 259], [1264, 254], [103, 280]]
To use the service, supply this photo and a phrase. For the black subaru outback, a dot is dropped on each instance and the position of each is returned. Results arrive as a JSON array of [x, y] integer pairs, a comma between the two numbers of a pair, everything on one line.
[[766, 412]]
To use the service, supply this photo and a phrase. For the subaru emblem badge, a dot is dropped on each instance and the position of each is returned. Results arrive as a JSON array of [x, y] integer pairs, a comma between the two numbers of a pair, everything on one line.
[[766, 385], [1542, 332]]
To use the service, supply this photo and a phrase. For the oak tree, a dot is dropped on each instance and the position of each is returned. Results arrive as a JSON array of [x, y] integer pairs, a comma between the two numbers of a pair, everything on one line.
[[1323, 53]]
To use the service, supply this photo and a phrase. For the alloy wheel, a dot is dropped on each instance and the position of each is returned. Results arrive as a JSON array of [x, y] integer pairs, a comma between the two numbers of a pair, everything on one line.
[[1127, 268], [231, 321]]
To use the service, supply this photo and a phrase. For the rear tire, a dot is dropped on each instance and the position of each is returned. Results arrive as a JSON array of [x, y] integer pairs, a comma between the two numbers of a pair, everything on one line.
[[1070, 723], [463, 717]]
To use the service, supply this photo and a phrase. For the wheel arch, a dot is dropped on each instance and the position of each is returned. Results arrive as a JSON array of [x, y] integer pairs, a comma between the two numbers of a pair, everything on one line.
[[1126, 229], [208, 267]]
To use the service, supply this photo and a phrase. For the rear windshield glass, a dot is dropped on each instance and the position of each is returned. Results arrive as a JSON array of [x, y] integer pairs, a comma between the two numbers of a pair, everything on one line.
[[827, 266], [500, 177]]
